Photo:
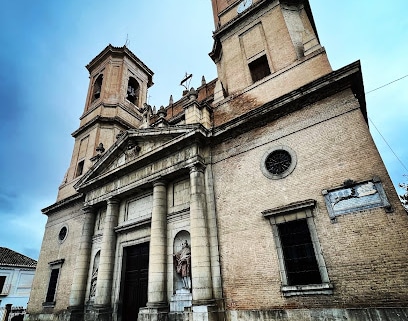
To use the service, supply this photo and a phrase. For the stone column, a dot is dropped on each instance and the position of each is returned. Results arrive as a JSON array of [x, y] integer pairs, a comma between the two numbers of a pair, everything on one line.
[[200, 248], [158, 246], [107, 257], [79, 282]]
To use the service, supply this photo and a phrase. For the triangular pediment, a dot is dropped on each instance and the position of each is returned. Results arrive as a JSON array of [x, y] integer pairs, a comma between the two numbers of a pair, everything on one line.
[[137, 146]]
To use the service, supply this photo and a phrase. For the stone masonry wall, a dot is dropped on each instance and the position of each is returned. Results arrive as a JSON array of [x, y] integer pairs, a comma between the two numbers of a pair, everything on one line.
[[51, 250]]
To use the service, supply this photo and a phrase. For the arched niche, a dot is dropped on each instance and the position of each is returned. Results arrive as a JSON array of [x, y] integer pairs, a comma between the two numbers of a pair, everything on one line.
[[94, 277], [180, 238]]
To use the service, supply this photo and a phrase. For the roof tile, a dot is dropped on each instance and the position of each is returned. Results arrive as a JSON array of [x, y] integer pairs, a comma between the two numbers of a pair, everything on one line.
[[12, 258]]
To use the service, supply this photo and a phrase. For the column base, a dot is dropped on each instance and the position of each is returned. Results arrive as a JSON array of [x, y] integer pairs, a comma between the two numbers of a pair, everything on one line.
[[157, 305], [76, 313], [206, 312], [99, 313], [153, 314]]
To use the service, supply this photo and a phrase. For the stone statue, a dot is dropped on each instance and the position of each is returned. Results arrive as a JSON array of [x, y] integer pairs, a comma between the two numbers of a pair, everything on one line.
[[182, 263], [94, 277]]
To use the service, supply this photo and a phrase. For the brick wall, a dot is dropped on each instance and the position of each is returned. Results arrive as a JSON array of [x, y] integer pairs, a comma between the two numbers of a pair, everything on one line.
[[365, 252]]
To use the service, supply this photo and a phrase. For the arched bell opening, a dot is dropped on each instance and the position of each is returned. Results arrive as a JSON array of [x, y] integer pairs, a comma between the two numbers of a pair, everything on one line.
[[133, 90], [97, 88]]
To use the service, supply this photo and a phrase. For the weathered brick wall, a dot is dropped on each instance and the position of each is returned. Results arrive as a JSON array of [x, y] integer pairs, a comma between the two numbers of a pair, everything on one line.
[[288, 71], [365, 252]]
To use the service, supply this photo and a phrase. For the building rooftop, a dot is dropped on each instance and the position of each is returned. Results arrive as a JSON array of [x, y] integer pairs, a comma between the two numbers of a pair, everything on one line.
[[11, 258]]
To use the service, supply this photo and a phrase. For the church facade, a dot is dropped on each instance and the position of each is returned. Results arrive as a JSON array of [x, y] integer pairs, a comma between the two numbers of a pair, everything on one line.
[[259, 195]]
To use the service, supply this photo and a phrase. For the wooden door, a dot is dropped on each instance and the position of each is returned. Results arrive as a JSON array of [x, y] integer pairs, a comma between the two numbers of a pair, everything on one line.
[[135, 280]]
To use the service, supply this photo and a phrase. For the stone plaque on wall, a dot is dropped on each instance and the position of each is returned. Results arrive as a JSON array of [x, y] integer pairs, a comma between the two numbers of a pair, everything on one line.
[[139, 207], [355, 197]]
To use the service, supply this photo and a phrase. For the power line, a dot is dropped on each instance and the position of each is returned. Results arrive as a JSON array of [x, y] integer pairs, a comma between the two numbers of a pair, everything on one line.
[[403, 165], [386, 85], [388, 144]]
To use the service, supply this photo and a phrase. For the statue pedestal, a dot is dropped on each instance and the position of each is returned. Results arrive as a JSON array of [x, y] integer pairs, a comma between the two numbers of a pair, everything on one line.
[[182, 299]]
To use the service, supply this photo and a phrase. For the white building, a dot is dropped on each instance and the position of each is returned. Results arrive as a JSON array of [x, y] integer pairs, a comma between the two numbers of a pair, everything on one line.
[[16, 277]]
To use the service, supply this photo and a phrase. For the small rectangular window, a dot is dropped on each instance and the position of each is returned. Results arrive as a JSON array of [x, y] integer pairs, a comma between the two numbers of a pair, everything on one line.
[[52, 285], [55, 267], [80, 168], [2, 281], [259, 68]]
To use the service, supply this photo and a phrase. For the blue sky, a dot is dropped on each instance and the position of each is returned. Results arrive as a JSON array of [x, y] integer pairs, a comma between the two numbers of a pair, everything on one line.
[[43, 81]]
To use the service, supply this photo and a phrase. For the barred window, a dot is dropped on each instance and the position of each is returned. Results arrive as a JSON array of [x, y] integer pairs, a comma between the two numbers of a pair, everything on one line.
[[299, 256], [55, 268], [302, 267]]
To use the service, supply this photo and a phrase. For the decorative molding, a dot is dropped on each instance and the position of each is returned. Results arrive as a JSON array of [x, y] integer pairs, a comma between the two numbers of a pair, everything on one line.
[[132, 224], [290, 208], [56, 262], [311, 289]]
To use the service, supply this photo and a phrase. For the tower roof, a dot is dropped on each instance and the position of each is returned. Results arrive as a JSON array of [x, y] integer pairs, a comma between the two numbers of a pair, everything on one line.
[[120, 52], [12, 258]]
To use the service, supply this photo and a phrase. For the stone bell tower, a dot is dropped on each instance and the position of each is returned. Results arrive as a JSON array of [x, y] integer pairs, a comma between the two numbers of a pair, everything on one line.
[[265, 48], [116, 95]]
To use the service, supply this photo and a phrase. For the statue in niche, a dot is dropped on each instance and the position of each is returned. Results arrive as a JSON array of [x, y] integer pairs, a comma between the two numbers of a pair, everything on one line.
[[182, 261], [94, 277]]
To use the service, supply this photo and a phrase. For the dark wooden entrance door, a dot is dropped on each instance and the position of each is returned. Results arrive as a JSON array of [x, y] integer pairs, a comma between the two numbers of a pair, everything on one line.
[[135, 280]]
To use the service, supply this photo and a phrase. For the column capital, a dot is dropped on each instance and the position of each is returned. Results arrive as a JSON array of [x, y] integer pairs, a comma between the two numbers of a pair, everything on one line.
[[113, 201], [159, 182], [197, 167], [87, 209]]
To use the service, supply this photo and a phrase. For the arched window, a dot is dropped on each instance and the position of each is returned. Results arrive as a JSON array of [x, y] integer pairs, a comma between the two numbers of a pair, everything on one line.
[[133, 91], [97, 87]]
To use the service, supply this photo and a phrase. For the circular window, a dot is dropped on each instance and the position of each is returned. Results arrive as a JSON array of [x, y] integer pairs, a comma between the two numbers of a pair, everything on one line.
[[278, 162], [62, 234]]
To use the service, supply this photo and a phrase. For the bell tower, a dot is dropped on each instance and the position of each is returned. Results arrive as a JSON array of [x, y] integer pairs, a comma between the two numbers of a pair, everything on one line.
[[265, 48], [116, 95]]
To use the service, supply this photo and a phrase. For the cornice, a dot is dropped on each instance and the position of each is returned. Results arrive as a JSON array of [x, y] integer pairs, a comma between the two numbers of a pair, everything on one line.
[[115, 105], [66, 202], [347, 77], [101, 119], [120, 52], [18, 266]]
